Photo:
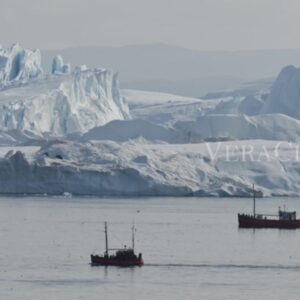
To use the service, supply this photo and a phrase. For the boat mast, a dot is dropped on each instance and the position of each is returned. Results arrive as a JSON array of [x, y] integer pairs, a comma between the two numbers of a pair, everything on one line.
[[132, 236], [106, 239], [254, 201]]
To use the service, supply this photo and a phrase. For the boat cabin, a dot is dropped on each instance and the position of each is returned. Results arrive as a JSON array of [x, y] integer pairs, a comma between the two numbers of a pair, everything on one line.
[[126, 254], [287, 215]]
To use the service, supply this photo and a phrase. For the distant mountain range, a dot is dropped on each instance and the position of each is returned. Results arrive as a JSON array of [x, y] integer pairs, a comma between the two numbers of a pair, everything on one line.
[[164, 68]]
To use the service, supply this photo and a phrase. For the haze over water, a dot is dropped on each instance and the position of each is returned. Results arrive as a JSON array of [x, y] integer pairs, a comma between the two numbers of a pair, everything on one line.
[[192, 249]]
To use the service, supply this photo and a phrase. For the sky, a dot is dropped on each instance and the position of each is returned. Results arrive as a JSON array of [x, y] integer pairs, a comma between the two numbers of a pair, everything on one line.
[[194, 24]]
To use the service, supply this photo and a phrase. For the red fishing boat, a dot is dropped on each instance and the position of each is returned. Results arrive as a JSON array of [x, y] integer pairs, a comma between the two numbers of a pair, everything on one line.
[[124, 257], [283, 220]]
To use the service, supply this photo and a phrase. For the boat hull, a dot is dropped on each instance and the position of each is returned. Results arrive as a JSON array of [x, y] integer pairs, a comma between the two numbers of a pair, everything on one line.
[[246, 221], [97, 260]]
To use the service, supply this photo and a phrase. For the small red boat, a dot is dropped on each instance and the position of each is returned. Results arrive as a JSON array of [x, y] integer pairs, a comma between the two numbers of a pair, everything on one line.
[[124, 257], [284, 219]]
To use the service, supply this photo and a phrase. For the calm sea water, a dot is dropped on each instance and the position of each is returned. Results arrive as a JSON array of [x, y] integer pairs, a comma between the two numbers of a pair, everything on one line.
[[192, 249]]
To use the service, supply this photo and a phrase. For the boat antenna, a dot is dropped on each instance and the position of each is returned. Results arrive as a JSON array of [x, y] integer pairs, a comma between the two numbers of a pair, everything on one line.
[[106, 239], [254, 201], [132, 236]]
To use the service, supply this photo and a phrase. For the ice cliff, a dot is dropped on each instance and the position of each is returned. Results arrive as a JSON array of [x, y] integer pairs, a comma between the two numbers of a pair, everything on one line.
[[141, 169], [18, 64], [58, 104]]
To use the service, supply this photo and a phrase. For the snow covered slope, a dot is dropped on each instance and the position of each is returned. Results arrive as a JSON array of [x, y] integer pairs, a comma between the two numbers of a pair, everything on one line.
[[139, 169], [285, 94], [166, 109], [204, 128], [125, 130], [241, 127], [136, 98]]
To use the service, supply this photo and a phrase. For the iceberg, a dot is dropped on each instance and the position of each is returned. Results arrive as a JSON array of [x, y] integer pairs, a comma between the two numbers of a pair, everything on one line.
[[241, 127], [18, 64], [72, 132], [58, 66], [59, 103], [144, 169], [285, 94]]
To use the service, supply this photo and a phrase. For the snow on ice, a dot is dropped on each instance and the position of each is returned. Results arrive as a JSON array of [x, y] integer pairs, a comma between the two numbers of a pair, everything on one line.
[[74, 131]]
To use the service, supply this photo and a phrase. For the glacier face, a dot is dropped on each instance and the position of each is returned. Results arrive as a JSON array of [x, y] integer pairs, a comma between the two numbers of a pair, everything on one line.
[[18, 64], [140, 169], [60, 103], [64, 104]]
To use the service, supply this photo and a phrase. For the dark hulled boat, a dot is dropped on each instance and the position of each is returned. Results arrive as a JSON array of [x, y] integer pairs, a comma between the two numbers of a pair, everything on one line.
[[124, 257], [283, 220]]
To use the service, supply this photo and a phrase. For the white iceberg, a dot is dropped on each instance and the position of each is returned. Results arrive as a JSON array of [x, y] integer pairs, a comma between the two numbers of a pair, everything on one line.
[[285, 94], [18, 64], [57, 104], [141, 169], [58, 66]]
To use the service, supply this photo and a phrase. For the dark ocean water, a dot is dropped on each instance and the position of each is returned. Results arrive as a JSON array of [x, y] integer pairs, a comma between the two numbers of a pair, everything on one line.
[[192, 249]]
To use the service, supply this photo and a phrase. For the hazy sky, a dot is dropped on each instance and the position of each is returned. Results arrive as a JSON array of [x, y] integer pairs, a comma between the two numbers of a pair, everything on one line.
[[198, 24]]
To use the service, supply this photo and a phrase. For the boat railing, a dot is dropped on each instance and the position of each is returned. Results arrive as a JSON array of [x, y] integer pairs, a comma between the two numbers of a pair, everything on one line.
[[268, 215], [287, 215], [119, 249], [259, 216]]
